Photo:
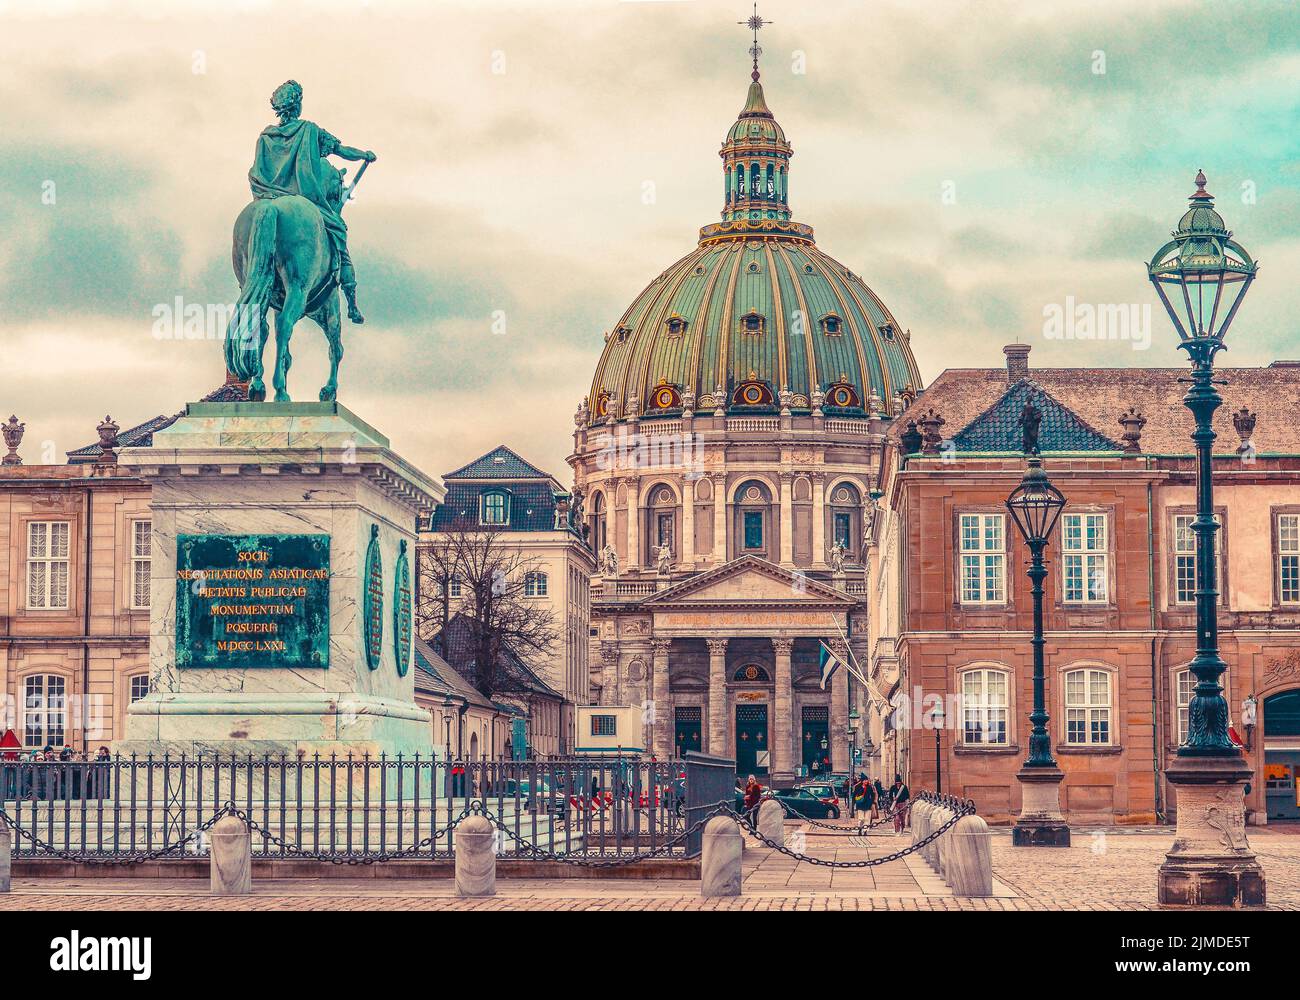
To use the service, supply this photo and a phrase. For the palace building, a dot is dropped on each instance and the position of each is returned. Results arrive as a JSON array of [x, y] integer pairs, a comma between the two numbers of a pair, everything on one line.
[[724, 461]]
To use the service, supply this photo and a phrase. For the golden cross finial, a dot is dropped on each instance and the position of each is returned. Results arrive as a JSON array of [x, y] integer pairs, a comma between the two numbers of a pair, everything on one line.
[[755, 24]]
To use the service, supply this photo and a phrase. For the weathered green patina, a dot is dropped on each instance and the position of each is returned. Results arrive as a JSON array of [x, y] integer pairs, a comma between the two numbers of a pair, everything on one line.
[[402, 611], [252, 601], [372, 601]]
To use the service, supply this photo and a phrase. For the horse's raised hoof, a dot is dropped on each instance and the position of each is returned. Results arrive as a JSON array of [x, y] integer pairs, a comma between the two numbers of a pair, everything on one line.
[[256, 390], [328, 394], [282, 397]]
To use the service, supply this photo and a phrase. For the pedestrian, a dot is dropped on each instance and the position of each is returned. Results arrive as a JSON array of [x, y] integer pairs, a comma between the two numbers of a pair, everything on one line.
[[880, 793], [753, 795], [901, 802]]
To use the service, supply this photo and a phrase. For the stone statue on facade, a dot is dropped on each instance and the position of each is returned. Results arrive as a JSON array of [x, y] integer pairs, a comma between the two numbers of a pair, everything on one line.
[[290, 245], [609, 560], [837, 557], [664, 560]]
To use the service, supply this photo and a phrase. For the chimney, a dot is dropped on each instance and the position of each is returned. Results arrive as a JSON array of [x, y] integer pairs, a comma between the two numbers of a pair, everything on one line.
[[1017, 362]]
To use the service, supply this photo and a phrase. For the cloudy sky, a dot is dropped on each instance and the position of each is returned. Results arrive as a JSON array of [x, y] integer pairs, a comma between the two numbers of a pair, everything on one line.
[[975, 162]]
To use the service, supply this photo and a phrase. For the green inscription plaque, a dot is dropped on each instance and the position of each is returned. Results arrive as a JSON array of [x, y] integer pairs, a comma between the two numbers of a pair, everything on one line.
[[252, 601], [402, 612], [372, 601]]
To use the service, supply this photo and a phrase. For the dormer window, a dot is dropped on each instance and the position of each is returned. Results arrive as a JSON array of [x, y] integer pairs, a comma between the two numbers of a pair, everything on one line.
[[676, 325], [753, 323], [622, 333], [887, 331], [832, 325], [494, 508]]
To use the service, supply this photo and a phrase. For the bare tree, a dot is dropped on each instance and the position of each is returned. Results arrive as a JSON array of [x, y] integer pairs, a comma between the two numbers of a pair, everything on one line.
[[492, 618]]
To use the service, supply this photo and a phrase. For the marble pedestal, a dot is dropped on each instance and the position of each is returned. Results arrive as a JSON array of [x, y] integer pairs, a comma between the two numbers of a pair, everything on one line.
[[1210, 863], [310, 469], [1040, 823]]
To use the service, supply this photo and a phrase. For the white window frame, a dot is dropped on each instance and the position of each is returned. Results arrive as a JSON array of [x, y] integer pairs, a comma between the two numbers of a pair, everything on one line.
[[982, 558], [454, 587], [982, 709], [141, 563], [131, 696], [1184, 548], [1088, 711], [43, 564], [1081, 562], [1184, 691], [536, 584], [483, 508], [45, 697], [1288, 558]]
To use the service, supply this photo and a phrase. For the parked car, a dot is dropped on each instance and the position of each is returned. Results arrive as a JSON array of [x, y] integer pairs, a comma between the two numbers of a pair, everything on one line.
[[803, 802], [823, 790]]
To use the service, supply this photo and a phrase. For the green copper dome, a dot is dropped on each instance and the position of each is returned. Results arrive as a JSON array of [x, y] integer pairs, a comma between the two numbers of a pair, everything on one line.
[[756, 317]]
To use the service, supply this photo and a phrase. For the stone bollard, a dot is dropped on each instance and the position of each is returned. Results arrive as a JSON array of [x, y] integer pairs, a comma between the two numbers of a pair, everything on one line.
[[476, 857], [937, 818], [722, 849], [6, 856], [230, 858], [943, 844], [771, 821], [970, 857], [920, 813]]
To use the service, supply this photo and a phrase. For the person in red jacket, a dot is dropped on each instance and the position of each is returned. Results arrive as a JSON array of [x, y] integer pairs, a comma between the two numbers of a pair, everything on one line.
[[753, 794]]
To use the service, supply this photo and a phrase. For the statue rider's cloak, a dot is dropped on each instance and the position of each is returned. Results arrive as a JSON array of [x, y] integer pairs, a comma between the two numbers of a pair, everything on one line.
[[290, 159]]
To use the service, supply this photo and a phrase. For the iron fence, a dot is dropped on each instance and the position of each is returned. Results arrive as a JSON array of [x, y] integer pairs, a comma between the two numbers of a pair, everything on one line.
[[344, 809]]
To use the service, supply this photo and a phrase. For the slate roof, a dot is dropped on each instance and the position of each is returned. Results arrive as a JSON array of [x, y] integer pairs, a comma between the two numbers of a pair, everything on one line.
[[518, 677], [532, 506], [141, 435], [1097, 396], [997, 429], [435, 676], [499, 463]]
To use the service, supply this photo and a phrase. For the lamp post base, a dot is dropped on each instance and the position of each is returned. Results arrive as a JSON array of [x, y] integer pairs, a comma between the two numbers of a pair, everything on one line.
[[1041, 823], [1210, 863]]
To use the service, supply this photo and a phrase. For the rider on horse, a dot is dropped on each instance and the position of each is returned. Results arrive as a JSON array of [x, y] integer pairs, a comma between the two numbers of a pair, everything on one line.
[[290, 159]]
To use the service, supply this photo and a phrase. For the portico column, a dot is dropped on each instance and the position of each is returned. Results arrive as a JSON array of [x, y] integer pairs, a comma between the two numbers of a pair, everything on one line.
[[662, 740], [839, 714], [717, 697], [783, 728], [787, 521], [633, 522], [819, 519], [688, 523], [719, 519]]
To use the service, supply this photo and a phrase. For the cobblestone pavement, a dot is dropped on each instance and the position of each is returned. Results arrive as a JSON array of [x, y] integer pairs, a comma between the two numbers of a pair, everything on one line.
[[1112, 869]]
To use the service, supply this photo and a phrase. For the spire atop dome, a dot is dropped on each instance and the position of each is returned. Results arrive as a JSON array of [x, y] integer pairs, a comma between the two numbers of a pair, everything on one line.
[[755, 24]]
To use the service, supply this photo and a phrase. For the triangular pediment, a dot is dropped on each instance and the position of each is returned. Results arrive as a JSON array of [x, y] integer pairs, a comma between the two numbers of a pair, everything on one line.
[[750, 581]]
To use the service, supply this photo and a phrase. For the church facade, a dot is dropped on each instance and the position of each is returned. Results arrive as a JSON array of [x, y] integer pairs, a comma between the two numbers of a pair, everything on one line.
[[724, 460]]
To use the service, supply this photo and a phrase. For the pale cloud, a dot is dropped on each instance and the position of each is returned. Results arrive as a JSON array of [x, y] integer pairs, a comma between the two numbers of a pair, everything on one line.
[[523, 194]]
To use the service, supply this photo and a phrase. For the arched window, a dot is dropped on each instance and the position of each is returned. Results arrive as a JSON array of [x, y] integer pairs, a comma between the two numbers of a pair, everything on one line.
[[832, 326], [751, 673], [535, 584], [846, 518], [753, 500], [754, 189], [598, 523], [984, 707], [495, 508], [139, 687], [1087, 707], [45, 712]]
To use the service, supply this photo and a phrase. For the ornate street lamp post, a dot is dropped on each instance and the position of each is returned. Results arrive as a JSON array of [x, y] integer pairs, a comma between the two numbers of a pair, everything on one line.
[[1202, 276], [1035, 506]]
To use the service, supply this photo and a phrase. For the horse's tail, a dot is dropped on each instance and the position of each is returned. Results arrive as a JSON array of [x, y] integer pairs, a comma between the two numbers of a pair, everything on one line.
[[243, 337]]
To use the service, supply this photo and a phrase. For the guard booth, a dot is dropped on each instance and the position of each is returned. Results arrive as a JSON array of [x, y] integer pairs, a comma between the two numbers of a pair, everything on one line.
[[709, 781]]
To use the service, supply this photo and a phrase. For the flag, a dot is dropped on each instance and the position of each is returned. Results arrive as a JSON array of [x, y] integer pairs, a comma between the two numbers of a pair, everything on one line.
[[829, 664]]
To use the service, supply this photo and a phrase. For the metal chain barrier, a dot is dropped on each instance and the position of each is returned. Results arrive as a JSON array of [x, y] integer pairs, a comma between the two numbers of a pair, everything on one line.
[[82, 858]]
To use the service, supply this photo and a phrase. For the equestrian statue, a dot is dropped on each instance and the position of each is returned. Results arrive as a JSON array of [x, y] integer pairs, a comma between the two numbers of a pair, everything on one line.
[[291, 246]]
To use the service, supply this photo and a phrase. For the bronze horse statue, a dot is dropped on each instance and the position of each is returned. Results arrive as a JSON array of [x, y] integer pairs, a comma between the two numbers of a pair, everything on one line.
[[283, 262]]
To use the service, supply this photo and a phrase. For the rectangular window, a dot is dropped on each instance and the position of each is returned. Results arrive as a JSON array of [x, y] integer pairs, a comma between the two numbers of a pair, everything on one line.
[[1085, 558], [604, 725], [1288, 558], [983, 558], [44, 711], [753, 529], [664, 530], [1087, 707], [1186, 685], [496, 508], [844, 530], [1185, 558], [47, 564], [139, 686], [535, 585], [453, 587], [141, 562]]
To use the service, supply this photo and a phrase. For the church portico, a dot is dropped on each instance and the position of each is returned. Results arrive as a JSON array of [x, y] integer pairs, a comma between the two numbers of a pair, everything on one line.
[[734, 668]]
